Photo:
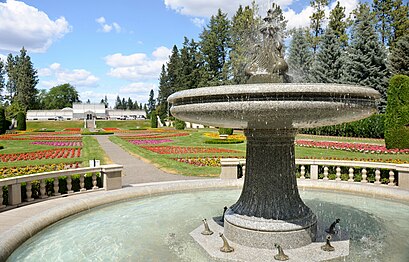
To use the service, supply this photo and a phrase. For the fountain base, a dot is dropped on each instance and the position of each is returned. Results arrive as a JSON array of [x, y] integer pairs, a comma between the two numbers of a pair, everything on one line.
[[264, 233], [311, 252]]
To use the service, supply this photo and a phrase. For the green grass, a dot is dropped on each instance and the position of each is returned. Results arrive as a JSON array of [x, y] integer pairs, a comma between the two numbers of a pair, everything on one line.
[[56, 125], [123, 124], [92, 150]]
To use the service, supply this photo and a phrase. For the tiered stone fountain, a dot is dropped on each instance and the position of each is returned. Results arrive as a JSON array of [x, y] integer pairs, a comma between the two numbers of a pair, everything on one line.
[[270, 209]]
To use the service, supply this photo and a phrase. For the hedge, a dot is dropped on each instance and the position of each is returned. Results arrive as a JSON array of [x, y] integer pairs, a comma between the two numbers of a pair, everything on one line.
[[3, 123], [21, 121], [225, 131], [397, 113], [179, 124], [371, 127], [154, 120]]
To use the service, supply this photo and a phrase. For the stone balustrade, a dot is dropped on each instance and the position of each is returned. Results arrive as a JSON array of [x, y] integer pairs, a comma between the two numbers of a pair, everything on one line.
[[397, 175], [110, 175]]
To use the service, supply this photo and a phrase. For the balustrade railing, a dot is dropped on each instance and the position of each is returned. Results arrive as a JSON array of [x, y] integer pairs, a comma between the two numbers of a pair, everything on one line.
[[392, 175], [20, 190]]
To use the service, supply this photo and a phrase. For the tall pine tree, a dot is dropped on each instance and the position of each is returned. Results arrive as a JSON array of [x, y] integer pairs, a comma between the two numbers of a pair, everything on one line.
[[317, 22], [337, 23], [383, 13], [365, 63], [399, 57], [2, 78], [299, 56], [327, 66]]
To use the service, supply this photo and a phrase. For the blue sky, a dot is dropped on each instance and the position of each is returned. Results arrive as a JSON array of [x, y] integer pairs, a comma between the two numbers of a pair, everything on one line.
[[114, 48]]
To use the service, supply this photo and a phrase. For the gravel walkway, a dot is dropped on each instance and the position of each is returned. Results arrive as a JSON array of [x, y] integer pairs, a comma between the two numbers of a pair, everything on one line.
[[135, 170]]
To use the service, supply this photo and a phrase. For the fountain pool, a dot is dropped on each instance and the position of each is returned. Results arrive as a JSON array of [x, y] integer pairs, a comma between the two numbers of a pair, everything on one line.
[[156, 228]]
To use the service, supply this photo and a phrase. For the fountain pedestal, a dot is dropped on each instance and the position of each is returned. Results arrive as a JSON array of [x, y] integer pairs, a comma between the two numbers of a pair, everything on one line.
[[270, 209]]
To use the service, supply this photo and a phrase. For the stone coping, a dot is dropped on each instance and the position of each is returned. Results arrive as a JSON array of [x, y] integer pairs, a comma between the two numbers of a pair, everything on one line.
[[18, 225]]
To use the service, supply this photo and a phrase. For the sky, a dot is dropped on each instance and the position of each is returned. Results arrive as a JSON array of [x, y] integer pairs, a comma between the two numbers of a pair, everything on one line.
[[106, 48]]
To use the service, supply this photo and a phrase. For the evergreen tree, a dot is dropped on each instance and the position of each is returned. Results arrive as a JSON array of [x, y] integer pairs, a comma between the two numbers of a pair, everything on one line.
[[3, 123], [299, 56], [2, 78], [124, 104], [190, 65], [327, 66], [214, 47], [118, 103], [383, 13], [88, 101], [337, 23], [400, 20], [129, 104], [26, 81], [136, 105], [365, 63], [317, 21], [243, 26], [21, 121], [399, 57], [106, 102], [11, 69], [151, 103]]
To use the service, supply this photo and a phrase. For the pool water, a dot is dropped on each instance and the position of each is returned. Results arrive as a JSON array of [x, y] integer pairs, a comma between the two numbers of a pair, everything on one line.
[[157, 228]]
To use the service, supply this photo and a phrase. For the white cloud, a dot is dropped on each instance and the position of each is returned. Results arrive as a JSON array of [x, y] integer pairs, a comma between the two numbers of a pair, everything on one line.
[[137, 88], [199, 22], [302, 19], [105, 27], [3, 57], [24, 25], [137, 66], [77, 77]]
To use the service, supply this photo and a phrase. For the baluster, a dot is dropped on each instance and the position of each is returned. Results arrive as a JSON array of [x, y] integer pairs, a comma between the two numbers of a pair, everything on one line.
[[82, 184], [325, 173], [351, 175], [364, 176], [391, 178], [56, 187], [377, 177], [1, 197], [43, 193], [243, 168], [29, 193], [302, 172], [338, 174], [69, 185], [94, 181]]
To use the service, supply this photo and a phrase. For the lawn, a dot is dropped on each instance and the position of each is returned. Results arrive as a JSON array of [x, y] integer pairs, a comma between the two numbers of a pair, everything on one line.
[[182, 152], [55, 125], [123, 124]]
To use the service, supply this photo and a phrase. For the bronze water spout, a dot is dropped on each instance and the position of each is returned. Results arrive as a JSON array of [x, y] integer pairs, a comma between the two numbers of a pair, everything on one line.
[[224, 212], [331, 229], [327, 246], [280, 256], [226, 248], [206, 230]]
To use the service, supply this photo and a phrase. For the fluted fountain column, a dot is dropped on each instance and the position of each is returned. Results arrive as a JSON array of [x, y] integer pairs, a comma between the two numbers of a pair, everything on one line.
[[270, 209]]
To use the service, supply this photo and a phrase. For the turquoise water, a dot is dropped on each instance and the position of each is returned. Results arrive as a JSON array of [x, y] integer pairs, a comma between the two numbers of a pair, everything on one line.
[[157, 228]]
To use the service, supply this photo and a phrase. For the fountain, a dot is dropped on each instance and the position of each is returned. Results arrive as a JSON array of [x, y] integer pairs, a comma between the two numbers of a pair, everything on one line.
[[270, 210]]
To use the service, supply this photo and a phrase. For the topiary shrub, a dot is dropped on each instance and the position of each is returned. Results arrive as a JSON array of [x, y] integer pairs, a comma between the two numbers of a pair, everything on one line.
[[21, 121], [154, 120], [397, 113], [225, 131], [3, 123], [179, 124]]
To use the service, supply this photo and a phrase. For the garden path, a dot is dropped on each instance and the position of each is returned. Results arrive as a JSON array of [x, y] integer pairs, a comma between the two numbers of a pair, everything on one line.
[[135, 170]]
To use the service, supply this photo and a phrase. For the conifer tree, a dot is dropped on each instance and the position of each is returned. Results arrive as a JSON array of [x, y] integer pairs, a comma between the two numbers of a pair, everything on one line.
[[299, 56], [11, 69], [317, 21], [118, 103], [26, 81], [383, 13], [399, 57], [2, 78], [400, 20], [124, 105], [151, 103], [129, 104], [327, 66], [365, 63], [214, 47], [337, 23]]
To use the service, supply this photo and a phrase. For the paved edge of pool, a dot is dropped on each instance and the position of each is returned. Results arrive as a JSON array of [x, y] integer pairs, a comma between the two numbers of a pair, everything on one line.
[[25, 222]]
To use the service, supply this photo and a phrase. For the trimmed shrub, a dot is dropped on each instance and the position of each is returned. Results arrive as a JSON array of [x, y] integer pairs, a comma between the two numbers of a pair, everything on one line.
[[3, 123], [225, 131], [179, 124], [223, 141], [371, 127], [397, 113], [89, 133], [154, 120], [21, 121]]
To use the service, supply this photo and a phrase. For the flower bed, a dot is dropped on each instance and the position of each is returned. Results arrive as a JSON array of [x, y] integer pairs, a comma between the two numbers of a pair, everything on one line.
[[111, 129], [45, 154], [234, 136], [58, 143], [186, 150], [149, 141], [74, 129], [152, 135], [48, 137], [354, 147], [27, 170]]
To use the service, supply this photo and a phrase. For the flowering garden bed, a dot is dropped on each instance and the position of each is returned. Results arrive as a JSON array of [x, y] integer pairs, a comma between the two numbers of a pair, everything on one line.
[[58, 143], [45, 154], [353, 147], [149, 141], [186, 150], [27, 170]]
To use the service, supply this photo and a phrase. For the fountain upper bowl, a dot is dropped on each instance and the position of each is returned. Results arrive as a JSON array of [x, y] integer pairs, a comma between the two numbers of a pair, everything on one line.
[[272, 105]]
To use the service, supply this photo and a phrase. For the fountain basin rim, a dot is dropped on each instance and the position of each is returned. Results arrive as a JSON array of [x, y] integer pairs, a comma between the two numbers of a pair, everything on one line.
[[281, 91]]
